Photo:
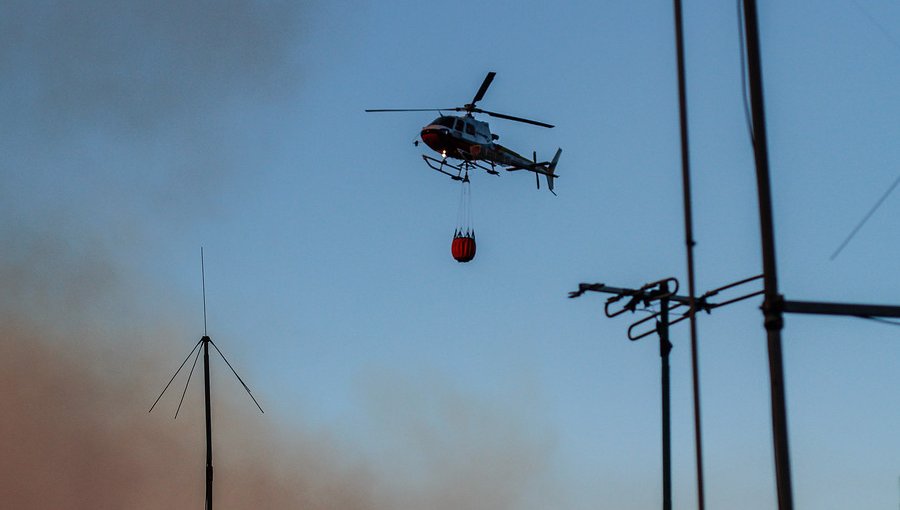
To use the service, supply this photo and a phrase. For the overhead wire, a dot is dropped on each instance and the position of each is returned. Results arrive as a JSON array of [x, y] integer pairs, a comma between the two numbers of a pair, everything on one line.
[[752, 131], [865, 219], [890, 38], [884, 31]]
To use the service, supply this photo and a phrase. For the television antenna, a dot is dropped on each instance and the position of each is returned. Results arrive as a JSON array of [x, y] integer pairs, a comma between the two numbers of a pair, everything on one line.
[[664, 292], [205, 341]]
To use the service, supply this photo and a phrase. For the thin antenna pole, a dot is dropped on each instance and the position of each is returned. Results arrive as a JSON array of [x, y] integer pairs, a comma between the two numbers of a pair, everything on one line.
[[203, 282], [664, 348], [689, 243]]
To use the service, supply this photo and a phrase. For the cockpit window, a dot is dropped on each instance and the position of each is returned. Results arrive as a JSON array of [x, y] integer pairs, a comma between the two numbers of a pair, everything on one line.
[[444, 121], [470, 129], [459, 124]]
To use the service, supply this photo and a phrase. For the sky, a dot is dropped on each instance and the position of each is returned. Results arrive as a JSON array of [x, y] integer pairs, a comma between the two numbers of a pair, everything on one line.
[[393, 377]]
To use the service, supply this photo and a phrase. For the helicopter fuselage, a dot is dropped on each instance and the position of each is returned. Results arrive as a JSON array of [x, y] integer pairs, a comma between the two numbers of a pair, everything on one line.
[[466, 138]]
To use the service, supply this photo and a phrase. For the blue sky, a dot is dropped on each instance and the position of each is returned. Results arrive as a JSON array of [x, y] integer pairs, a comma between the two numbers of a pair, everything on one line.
[[134, 136]]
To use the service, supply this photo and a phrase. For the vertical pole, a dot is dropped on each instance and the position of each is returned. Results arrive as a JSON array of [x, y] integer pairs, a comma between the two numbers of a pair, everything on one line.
[[664, 347], [772, 312], [209, 467], [689, 244]]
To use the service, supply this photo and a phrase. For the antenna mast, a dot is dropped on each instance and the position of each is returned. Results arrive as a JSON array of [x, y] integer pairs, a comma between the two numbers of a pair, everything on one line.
[[205, 341]]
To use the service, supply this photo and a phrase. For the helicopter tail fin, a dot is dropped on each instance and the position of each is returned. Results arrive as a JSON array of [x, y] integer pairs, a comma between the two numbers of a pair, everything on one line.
[[552, 169]]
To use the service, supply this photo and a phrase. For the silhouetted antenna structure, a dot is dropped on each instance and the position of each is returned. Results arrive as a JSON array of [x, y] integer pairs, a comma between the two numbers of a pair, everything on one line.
[[663, 292], [205, 341]]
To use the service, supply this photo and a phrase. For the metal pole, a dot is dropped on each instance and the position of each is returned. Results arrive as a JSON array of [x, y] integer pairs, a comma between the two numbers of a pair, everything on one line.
[[664, 347], [772, 312], [847, 309], [209, 466], [689, 243]]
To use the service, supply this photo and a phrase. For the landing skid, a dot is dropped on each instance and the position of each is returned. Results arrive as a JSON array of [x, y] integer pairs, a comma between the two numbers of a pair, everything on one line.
[[461, 169]]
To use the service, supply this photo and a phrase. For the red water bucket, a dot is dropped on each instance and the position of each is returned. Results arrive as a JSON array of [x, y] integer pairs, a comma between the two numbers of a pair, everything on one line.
[[463, 247]]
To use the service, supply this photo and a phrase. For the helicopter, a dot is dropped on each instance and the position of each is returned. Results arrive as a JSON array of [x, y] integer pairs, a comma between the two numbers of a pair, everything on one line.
[[464, 138]]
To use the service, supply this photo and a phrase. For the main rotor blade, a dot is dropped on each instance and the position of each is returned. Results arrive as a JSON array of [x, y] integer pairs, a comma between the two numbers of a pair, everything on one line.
[[412, 109], [517, 119], [484, 86]]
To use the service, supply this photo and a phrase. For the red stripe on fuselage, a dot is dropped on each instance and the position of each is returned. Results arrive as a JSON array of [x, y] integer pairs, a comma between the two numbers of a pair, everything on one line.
[[441, 139]]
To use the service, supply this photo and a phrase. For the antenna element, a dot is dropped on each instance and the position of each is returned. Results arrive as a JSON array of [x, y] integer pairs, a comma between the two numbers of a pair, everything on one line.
[[204, 341]]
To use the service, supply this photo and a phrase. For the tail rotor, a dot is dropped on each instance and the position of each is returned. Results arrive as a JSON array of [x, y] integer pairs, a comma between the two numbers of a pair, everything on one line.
[[552, 169]]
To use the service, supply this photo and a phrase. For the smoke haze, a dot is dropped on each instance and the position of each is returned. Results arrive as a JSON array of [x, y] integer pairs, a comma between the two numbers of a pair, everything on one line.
[[121, 117], [76, 434], [142, 103], [131, 65]]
